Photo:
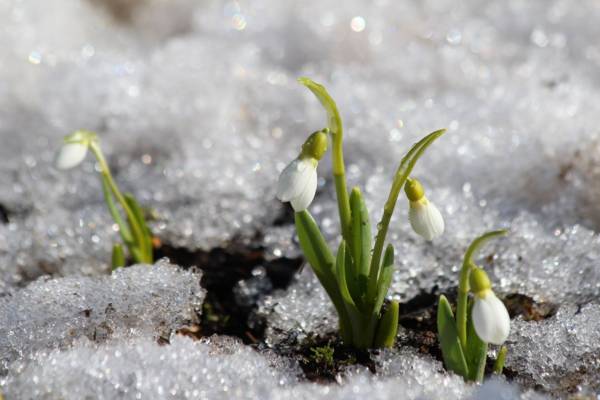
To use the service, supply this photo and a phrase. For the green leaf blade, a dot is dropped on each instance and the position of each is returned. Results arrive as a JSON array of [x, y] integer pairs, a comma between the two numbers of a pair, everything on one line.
[[341, 275], [333, 115], [361, 233], [114, 212], [314, 246], [388, 326], [479, 242], [385, 279], [500, 360], [145, 241], [118, 257], [452, 352], [476, 351], [319, 256]]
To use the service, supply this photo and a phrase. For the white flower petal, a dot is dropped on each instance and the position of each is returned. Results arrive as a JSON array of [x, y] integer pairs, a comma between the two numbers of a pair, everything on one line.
[[425, 219], [303, 200], [293, 179], [490, 319], [71, 155]]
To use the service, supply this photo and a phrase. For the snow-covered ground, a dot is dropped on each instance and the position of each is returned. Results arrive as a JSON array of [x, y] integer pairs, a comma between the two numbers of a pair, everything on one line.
[[198, 110]]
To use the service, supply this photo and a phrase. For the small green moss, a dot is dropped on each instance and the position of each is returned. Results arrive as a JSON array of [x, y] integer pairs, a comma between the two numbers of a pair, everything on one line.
[[323, 355]]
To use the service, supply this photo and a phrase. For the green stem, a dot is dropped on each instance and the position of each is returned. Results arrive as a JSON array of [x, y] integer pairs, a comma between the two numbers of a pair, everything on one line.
[[138, 233], [112, 208], [479, 371], [118, 257], [463, 301], [343, 205], [499, 363], [334, 123], [402, 173], [339, 172], [463, 284]]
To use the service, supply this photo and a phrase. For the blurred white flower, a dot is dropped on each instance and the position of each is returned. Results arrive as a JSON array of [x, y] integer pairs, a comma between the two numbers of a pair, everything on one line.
[[74, 149], [71, 155], [298, 183]]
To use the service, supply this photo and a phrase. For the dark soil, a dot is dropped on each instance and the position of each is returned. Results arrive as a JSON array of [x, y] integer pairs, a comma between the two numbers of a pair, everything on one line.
[[4, 214], [321, 357], [223, 269], [419, 317]]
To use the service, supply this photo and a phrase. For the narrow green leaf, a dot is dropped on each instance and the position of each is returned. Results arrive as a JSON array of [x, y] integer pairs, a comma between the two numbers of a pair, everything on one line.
[[352, 280], [114, 212], [479, 242], [118, 257], [382, 287], [385, 279], [145, 242], [361, 233], [388, 326], [341, 274], [333, 115], [404, 169], [355, 230], [319, 256], [313, 243], [476, 351], [499, 363], [360, 337], [454, 358]]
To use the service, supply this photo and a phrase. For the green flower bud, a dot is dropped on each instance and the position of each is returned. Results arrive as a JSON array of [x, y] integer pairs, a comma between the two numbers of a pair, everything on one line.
[[414, 190], [315, 146], [480, 282]]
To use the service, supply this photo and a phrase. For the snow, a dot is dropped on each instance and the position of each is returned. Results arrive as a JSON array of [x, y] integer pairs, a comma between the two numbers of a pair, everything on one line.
[[221, 368], [198, 110], [142, 300]]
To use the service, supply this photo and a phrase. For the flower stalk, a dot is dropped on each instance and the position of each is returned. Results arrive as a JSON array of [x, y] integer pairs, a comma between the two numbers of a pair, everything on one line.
[[480, 320]]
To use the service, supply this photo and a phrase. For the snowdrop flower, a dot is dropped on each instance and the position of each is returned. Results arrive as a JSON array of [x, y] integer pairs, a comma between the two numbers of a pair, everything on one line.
[[133, 228], [425, 219], [490, 317], [298, 181], [74, 149]]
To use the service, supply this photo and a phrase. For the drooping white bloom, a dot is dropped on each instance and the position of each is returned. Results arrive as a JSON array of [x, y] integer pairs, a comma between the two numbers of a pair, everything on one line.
[[74, 149], [71, 155], [425, 219], [490, 318], [298, 183]]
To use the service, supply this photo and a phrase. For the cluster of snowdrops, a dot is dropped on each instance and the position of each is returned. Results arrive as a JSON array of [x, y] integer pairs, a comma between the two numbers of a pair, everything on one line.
[[357, 276]]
